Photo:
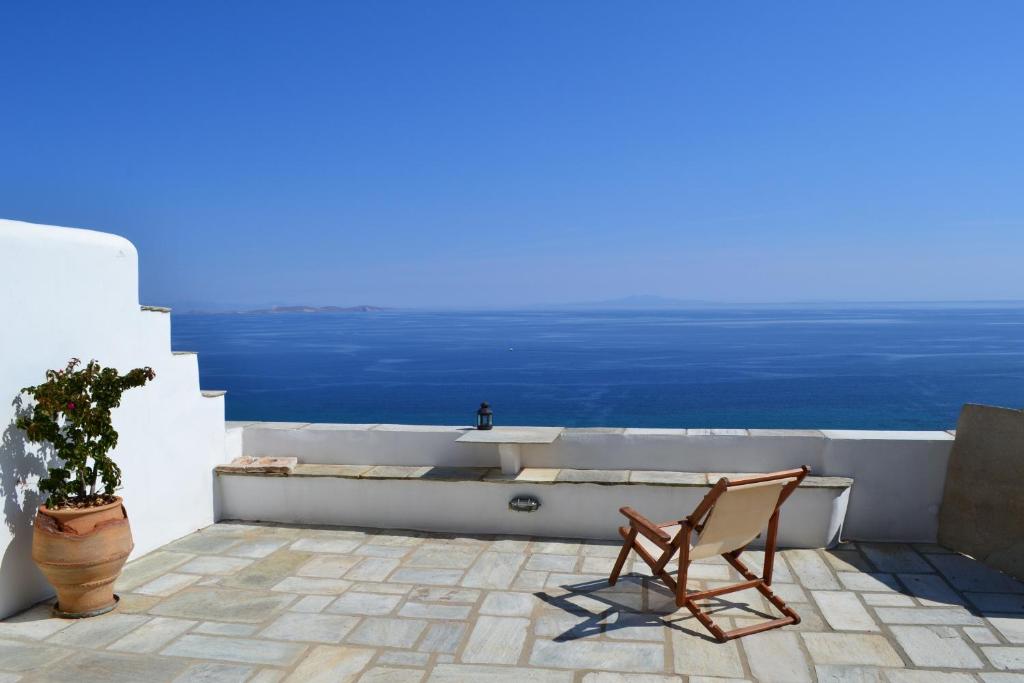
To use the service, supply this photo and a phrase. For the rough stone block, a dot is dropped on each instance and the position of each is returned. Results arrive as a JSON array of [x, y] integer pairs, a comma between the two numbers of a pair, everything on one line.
[[982, 511]]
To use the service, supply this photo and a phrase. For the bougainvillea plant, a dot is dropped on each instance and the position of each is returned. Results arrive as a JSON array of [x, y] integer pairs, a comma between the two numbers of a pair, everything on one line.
[[72, 412]]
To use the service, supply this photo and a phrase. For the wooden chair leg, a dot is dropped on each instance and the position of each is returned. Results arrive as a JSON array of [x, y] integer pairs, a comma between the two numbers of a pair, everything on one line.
[[706, 620], [769, 548], [759, 584], [684, 565], [630, 539]]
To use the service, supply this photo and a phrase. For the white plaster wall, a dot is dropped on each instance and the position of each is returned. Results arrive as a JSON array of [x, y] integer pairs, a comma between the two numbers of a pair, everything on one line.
[[898, 481], [898, 476], [812, 518], [67, 292]]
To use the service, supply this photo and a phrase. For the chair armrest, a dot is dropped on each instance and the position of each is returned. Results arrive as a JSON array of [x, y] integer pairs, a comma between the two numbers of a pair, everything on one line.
[[645, 526]]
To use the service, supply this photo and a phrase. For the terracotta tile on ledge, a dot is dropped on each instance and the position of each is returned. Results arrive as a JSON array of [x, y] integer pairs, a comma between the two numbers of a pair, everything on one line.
[[260, 465]]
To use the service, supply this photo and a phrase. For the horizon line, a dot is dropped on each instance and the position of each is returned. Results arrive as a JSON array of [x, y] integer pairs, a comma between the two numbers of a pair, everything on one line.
[[606, 305]]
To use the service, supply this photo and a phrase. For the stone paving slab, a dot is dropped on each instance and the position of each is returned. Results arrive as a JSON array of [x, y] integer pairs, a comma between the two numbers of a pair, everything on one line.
[[112, 667], [266, 603], [235, 650]]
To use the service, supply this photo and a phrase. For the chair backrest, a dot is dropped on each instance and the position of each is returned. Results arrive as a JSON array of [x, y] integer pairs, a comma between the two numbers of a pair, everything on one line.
[[741, 510]]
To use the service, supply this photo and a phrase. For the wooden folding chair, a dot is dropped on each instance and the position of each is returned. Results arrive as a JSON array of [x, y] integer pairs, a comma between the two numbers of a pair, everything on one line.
[[731, 515]]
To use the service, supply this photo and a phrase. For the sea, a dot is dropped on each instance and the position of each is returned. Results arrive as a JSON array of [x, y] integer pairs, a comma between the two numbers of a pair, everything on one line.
[[802, 367]]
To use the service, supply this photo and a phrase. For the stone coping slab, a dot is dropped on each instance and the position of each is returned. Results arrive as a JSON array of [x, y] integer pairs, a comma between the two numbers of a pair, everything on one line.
[[529, 475], [511, 435]]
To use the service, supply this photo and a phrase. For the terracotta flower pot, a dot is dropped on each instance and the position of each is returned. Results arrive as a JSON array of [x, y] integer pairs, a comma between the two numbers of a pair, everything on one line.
[[81, 552]]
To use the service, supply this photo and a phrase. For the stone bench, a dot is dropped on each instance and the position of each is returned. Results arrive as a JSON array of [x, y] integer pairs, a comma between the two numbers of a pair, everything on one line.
[[573, 503]]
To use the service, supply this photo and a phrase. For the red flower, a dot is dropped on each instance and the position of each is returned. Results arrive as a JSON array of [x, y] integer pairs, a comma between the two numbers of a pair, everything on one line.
[[71, 406]]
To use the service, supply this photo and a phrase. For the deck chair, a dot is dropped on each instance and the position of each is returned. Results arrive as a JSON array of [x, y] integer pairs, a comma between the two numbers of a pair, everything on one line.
[[732, 514]]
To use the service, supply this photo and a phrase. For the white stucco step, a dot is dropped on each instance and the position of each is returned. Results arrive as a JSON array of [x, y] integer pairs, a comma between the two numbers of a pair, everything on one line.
[[535, 475], [574, 503]]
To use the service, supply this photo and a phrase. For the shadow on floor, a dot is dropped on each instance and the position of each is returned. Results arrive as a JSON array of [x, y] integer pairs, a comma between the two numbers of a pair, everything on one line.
[[636, 601]]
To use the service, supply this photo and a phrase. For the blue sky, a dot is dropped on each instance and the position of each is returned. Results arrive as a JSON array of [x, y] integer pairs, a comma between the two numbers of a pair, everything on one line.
[[505, 153]]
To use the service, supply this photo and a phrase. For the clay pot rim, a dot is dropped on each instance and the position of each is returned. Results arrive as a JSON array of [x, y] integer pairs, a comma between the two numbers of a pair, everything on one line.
[[65, 513]]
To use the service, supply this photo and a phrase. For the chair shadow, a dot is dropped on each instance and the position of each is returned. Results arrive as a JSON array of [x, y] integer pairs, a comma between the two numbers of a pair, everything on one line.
[[636, 601]]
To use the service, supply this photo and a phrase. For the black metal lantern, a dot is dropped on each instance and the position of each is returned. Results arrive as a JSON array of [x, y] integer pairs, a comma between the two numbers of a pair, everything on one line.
[[484, 417]]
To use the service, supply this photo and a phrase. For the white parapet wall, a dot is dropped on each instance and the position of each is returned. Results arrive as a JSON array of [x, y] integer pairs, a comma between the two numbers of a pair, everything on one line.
[[74, 293], [898, 477]]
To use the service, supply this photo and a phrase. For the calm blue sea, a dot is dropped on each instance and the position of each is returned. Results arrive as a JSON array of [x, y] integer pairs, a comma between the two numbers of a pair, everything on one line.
[[858, 368]]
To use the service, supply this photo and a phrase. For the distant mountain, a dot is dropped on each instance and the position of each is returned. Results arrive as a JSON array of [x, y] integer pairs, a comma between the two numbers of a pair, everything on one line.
[[642, 302], [302, 309]]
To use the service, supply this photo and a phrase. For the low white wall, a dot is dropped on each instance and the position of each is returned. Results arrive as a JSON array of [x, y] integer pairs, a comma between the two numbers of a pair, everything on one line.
[[67, 293], [898, 476], [812, 518]]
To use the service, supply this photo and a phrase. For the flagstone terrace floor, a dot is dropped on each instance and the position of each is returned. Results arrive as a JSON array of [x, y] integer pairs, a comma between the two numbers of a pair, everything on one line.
[[264, 603]]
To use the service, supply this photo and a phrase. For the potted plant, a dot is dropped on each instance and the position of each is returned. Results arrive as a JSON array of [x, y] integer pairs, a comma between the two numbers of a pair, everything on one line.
[[81, 536]]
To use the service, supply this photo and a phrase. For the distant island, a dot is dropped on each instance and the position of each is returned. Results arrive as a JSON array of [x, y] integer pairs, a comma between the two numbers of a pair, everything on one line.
[[298, 309]]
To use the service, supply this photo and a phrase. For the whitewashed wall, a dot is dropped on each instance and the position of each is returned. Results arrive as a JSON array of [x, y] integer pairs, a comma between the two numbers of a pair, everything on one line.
[[68, 292], [813, 517], [898, 476]]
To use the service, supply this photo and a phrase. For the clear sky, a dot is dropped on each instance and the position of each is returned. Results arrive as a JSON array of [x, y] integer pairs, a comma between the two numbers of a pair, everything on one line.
[[480, 152]]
